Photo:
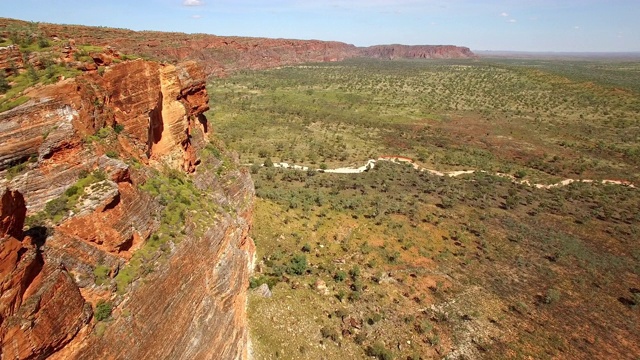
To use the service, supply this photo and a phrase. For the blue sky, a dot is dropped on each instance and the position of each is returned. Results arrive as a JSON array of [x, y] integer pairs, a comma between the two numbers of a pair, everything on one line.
[[517, 25]]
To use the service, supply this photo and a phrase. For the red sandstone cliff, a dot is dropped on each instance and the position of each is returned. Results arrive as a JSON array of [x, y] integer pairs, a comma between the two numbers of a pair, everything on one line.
[[150, 115]]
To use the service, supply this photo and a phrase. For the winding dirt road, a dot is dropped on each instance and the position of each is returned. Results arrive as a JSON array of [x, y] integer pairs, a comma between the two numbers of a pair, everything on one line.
[[370, 164]]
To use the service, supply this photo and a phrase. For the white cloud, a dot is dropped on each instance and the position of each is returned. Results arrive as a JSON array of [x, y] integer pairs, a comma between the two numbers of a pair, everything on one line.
[[196, 16], [512, 20], [577, 27], [193, 2], [504, 14]]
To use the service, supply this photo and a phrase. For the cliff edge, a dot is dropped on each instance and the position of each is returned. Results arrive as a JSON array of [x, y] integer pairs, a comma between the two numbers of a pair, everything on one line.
[[123, 223], [219, 55]]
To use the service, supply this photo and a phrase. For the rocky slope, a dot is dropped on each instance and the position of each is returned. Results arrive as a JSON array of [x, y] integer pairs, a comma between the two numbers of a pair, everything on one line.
[[101, 269]]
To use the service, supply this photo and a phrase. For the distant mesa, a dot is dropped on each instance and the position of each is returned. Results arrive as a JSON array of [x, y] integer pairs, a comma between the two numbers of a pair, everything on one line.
[[398, 51]]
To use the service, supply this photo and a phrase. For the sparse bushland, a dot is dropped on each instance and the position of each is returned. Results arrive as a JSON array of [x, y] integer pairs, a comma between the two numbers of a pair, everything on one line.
[[425, 264], [448, 114]]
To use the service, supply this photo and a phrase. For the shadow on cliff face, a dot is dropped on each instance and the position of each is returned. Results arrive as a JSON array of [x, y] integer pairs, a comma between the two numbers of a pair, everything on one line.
[[156, 126], [205, 123], [38, 234]]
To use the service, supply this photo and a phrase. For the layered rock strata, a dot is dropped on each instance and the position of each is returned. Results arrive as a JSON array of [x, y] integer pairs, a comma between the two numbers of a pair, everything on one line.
[[145, 116]]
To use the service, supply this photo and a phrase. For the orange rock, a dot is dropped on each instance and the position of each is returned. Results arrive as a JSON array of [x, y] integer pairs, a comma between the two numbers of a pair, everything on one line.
[[12, 214], [41, 308]]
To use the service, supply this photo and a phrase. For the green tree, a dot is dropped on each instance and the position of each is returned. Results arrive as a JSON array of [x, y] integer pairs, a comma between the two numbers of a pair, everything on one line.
[[4, 84], [32, 73], [297, 265], [43, 42]]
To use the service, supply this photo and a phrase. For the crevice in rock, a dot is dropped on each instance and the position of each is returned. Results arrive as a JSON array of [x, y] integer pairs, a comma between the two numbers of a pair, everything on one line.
[[125, 246], [156, 125], [112, 204], [57, 149]]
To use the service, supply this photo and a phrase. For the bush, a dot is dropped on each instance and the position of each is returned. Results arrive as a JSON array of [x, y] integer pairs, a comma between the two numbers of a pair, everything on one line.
[[340, 276], [329, 333], [520, 174], [268, 162], [103, 310], [112, 154], [4, 84], [72, 191], [43, 43], [297, 265], [32, 74], [16, 170], [424, 327], [56, 206], [354, 272], [378, 351], [374, 318], [255, 282], [118, 128], [101, 273], [103, 133], [552, 296]]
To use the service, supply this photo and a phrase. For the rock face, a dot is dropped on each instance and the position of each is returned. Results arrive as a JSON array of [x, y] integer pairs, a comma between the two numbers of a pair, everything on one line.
[[193, 307], [41, 308], [417, 52], [11, 59], [12, 214], [158, 106], [145, 116]]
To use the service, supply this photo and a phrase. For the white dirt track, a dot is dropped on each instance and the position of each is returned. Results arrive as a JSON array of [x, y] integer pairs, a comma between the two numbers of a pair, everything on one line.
[[371, 163]]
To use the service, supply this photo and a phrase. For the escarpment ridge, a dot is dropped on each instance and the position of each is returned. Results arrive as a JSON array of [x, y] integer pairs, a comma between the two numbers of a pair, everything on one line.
[[218, 55], [123, 228]]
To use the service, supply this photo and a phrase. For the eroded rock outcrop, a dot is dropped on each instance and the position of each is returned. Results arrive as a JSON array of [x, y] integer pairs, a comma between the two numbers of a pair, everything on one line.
[[157, 105], [11, 59], [41, 308]]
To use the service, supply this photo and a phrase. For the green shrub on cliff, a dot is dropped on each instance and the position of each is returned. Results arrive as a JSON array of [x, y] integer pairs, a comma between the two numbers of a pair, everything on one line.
[[101, 273], [103, 310]]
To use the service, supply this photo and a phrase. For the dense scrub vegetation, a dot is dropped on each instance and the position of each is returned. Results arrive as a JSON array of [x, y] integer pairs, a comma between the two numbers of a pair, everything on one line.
[[396, 263]]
